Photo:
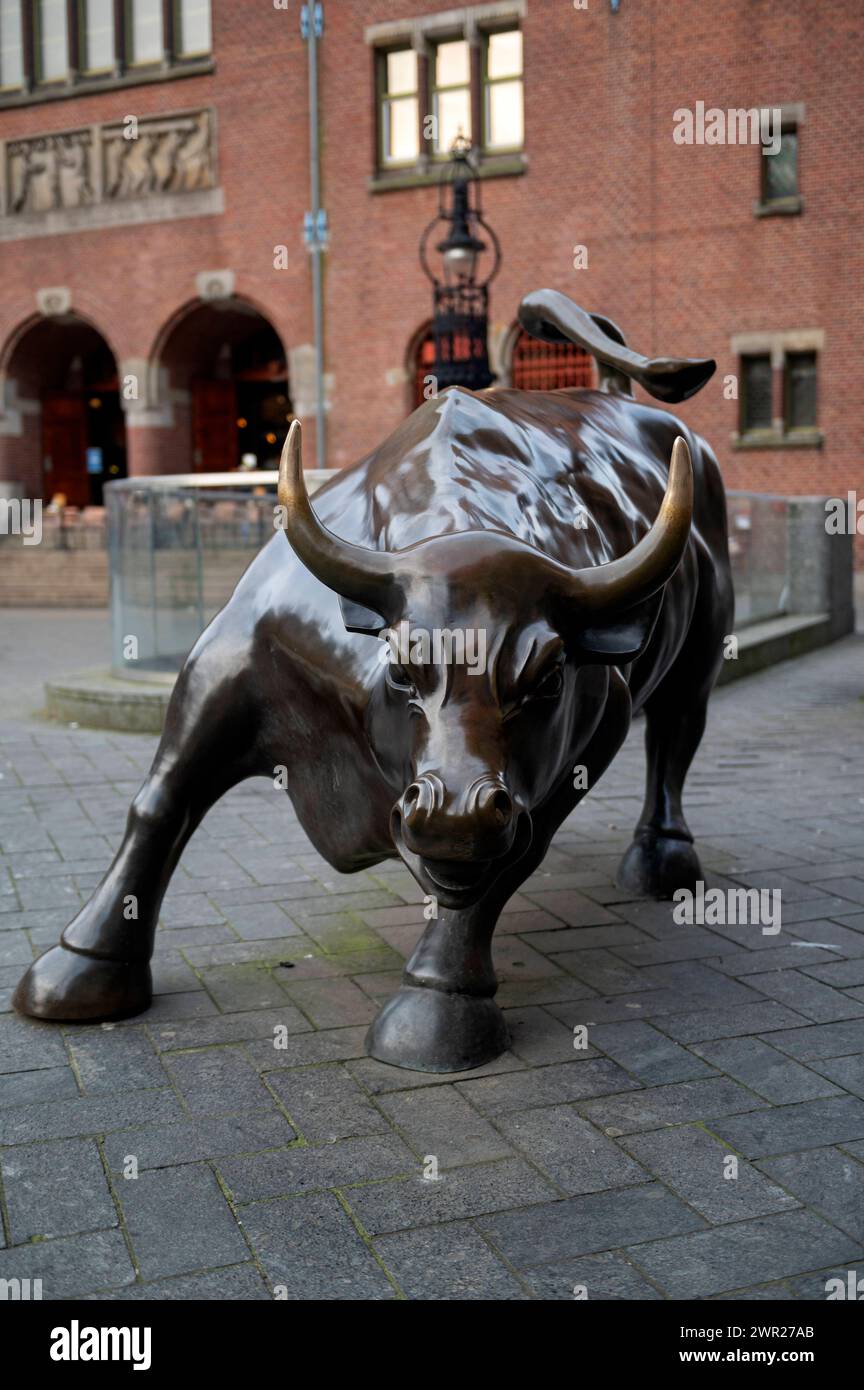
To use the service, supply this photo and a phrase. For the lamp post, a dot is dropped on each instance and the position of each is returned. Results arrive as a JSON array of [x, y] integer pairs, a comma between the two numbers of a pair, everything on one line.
[[460, 322]]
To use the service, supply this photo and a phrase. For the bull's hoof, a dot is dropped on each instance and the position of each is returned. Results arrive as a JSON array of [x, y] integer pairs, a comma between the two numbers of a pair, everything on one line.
[[430, 1030], [656, 867], [67, 987]]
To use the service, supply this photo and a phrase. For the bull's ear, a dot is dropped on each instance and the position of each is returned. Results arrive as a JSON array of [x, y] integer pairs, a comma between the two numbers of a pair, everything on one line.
[[619, 640], [359, 619]]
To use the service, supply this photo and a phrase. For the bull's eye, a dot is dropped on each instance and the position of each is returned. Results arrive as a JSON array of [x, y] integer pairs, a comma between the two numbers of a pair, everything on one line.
[[551, 686], [399, 679]]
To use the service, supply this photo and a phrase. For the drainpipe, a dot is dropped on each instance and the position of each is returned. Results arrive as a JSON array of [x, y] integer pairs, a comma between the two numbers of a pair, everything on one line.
[[315, 221]]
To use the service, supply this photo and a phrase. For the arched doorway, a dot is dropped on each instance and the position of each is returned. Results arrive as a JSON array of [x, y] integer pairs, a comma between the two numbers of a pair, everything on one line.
[[227, 377], [539, 366], [73, 436], [421, 363]]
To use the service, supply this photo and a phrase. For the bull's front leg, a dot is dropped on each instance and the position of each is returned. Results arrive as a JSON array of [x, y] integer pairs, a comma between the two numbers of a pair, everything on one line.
[[100, 970], [444, 1016]]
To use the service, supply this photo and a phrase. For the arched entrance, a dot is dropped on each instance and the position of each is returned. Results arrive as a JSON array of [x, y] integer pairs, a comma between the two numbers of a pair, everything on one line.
[[223, 366], [421, 363], [70, 427]]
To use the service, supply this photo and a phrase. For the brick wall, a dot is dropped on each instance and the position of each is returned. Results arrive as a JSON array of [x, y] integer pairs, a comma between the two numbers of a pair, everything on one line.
[[675, 254]]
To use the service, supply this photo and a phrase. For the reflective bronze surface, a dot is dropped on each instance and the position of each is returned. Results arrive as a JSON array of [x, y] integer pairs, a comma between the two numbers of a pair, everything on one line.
[[547, 527]]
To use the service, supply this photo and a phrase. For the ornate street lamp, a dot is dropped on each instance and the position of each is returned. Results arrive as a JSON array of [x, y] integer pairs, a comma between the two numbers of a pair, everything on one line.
[[461, 302]]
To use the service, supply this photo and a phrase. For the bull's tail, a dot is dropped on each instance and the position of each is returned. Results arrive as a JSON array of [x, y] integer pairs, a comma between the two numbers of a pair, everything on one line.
[[554, 318]]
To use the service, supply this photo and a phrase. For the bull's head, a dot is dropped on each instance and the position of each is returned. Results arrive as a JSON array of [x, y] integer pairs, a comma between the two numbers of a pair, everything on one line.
[[478, 742]]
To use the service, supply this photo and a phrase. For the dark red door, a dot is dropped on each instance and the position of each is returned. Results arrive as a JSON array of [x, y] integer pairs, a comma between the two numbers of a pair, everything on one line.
[[214, 426], [64, 448]]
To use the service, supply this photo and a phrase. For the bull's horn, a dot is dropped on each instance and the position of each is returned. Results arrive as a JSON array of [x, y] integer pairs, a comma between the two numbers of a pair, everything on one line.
[[365, 576], [622, 583]]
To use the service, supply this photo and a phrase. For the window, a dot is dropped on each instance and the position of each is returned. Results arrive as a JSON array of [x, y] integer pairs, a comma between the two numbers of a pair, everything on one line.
[[400, 133], [192, 28], [443, 77], [800, 391], [780, 170], [58, 48], [96, 36], [11, 47], [51, 40], [451, 94], [502, 97], [756, 393], [779, 397], [144, 39]]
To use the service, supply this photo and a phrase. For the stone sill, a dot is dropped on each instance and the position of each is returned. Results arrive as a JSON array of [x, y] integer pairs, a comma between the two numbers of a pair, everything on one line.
[[424, 176], [125, 212], [779, 207], [802, 439], [92, 86]]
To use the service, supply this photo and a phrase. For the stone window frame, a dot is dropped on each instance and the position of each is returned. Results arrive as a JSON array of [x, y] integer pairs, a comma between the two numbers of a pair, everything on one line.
[[778, 346], [792, 116], [422, 33], [124, 74]]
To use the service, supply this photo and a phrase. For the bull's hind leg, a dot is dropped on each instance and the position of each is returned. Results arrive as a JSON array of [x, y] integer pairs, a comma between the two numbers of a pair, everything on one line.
[[661, 858], [100, 970]]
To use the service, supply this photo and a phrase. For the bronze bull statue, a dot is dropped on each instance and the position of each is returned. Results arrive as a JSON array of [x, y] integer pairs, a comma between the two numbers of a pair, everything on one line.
[[548, 537]]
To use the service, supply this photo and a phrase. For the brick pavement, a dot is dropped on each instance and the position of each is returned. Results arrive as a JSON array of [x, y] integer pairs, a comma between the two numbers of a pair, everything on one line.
[[299, 1169]]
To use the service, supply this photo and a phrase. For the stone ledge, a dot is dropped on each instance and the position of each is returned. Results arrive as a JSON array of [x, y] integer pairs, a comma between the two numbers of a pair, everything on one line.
[[98, 700], [778, 639]]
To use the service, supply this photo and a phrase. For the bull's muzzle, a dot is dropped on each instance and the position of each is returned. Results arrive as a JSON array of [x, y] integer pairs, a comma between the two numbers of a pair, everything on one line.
[[474, 824]]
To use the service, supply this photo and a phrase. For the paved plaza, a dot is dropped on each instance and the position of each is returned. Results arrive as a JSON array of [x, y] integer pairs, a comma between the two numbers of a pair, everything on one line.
[[707, 1142]]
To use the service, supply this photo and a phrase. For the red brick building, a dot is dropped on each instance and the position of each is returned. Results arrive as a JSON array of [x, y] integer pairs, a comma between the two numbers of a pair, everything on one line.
[[156, 306]]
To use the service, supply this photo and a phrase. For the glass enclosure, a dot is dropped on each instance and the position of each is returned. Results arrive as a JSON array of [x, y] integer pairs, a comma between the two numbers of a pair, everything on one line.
[[179, 544]]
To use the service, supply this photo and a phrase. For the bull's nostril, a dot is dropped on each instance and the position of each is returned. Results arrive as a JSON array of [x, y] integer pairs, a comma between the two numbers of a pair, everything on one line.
[[410, 802], [502, 807]]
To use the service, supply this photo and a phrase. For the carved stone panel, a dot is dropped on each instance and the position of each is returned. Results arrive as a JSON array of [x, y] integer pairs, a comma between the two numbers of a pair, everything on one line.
[[47, 173], [162, 154]]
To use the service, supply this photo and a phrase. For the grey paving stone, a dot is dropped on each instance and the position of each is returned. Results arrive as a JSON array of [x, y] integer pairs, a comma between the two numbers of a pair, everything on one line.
[[811, 998], [669, 1105], [826, 1180], [794, 957], [378, 1078], [646, 1053], [230, 1028], [573, 1152], [556, 1231], [56, 1189], [240, 987], [25, 1087], [593, 1279], [217, 1080], [178, 1222], [331, 1003], [439, 1121], [847, 1072], [496, 1095], [732, 1257], [454, 1195], [584, 938], [88, 1115], [450, 1262], [309, 1049], [191, 1141], [603, 971], [325, 1104], [301, 1170], [114, 1060], [842, 974], [71, 1266], [26, 1046], [822, 1040], [696, 1165], [255, 921], [234, 1283], [702, 1024], [311, 1250], [538, 1038], [782, 1129], [766, 1071]]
